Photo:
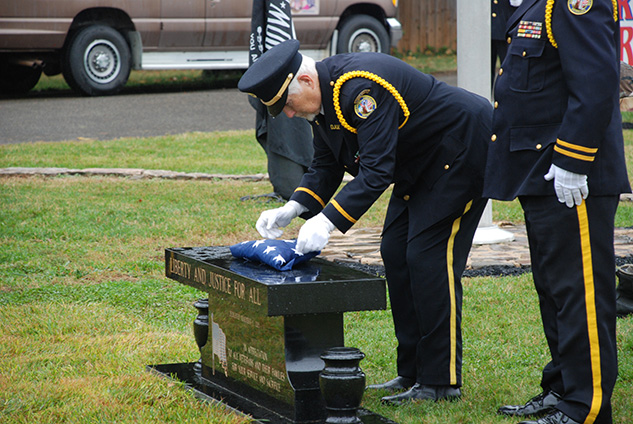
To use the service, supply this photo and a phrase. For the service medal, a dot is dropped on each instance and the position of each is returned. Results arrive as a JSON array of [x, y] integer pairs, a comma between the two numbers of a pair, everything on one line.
[[530, 29]]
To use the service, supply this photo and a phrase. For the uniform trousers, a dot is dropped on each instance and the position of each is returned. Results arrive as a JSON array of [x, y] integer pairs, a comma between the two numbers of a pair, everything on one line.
[[285, 174], [573, 265], [424, 280]]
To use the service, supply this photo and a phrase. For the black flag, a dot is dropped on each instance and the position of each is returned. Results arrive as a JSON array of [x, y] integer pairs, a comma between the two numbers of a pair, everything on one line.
[[287, 142], [271, 24]]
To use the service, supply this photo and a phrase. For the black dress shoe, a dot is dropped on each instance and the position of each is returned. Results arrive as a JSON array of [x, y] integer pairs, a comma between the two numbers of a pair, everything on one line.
[[555, 418], [541, 404], [398, 383], [422, 392]]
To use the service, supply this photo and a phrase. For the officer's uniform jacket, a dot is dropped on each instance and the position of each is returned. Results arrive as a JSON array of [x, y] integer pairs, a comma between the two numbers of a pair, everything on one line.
[[501, 10], [395, 125], [556, 100]]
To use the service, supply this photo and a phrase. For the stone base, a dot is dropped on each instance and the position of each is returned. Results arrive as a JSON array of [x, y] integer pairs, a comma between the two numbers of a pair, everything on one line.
[[233, 398], [492, 235]]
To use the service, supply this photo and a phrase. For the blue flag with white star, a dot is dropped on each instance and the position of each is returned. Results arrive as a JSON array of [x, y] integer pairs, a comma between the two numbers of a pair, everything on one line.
[[279, 254]]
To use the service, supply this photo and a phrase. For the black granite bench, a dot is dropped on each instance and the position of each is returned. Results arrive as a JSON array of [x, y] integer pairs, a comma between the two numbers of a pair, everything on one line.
[[265, 329]]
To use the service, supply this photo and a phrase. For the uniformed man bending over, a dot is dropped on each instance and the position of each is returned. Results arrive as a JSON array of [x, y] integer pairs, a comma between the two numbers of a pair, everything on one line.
[[557, 146], [384, 122]]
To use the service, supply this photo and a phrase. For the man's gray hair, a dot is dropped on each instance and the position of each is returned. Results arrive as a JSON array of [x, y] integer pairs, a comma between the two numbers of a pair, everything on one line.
[[308, 66]]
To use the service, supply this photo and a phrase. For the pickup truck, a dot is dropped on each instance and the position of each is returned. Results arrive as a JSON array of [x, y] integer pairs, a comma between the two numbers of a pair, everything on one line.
[[96, 43]]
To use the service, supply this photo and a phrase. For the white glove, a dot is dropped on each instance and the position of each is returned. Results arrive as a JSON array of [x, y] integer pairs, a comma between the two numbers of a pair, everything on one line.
[[570, 188], [515, 3], [314, 234], [270, 222]]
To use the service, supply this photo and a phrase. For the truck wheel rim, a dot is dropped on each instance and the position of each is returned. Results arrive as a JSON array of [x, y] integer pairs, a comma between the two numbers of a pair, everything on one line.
[[364, 40], [102, 61]]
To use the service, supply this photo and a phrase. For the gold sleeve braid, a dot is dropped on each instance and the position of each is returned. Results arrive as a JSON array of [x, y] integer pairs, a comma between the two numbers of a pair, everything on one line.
[[373, 77], [548, 19]]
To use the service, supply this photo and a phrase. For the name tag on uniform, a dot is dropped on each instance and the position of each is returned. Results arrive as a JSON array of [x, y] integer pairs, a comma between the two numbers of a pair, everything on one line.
[[335, 127]]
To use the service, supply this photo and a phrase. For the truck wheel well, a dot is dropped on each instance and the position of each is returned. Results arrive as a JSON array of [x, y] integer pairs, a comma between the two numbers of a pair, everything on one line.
[[111, 17], [364, 9]]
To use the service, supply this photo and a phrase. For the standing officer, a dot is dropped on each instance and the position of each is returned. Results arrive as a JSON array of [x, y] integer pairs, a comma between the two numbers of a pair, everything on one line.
[[557, 146], [385, 122], [501, 12]]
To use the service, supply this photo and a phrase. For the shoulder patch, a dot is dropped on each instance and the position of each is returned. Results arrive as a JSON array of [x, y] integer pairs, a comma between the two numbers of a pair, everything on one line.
[[579, 7], [364, 105]]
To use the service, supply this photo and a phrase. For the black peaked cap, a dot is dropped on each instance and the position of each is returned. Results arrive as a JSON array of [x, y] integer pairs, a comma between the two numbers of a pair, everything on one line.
[[271, 73]]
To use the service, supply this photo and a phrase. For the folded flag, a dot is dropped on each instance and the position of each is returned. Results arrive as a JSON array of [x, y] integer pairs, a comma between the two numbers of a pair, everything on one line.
[[263, 273], [279, 254]]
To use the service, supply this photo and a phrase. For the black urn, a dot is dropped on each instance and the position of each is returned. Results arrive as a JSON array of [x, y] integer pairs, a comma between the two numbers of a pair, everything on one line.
[[624, 290], [201, 328], [342, 384]]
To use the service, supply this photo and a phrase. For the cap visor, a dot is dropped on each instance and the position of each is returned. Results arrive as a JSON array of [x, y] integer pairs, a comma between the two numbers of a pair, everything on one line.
[[276, 108]]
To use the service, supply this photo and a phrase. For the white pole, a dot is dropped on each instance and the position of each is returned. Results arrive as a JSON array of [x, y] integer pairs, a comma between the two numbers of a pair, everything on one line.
[[473, 74], [473, 46]]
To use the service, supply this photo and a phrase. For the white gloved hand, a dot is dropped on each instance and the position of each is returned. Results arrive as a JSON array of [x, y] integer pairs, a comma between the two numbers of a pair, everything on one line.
[[271, 221], [314, 234], [570, 187], [515, 3]]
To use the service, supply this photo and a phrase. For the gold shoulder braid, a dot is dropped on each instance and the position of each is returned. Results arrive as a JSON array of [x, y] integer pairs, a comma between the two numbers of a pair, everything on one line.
[[548, 19], [548, 22], [373, 77], [615, 10]]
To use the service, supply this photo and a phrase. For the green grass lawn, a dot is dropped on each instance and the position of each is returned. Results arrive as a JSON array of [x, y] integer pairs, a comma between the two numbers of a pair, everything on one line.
[[228, 152], [85, 306]]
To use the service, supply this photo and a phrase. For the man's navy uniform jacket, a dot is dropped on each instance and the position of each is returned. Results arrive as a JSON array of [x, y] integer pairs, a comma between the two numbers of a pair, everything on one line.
[[558, 104], [398, 125], [501, 10]]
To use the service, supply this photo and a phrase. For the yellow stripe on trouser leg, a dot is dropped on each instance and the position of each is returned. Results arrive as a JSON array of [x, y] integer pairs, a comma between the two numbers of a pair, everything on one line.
[[451, 289], [592, 321]]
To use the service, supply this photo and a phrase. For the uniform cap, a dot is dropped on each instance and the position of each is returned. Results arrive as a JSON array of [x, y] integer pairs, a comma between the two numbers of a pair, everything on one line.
[[268, 78]]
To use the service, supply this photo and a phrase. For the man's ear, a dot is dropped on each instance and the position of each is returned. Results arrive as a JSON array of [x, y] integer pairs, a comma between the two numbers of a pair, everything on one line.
[[305, 79]]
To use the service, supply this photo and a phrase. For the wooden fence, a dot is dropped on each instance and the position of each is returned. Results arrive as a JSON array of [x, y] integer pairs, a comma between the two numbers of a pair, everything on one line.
[[427, 23]]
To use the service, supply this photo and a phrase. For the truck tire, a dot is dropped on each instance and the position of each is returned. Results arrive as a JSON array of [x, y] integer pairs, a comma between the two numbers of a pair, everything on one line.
[[18, 79], [97, 61], [362, 33]]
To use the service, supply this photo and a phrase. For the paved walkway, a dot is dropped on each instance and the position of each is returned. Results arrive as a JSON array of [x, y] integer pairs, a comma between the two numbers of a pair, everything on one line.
[[362, 246]]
